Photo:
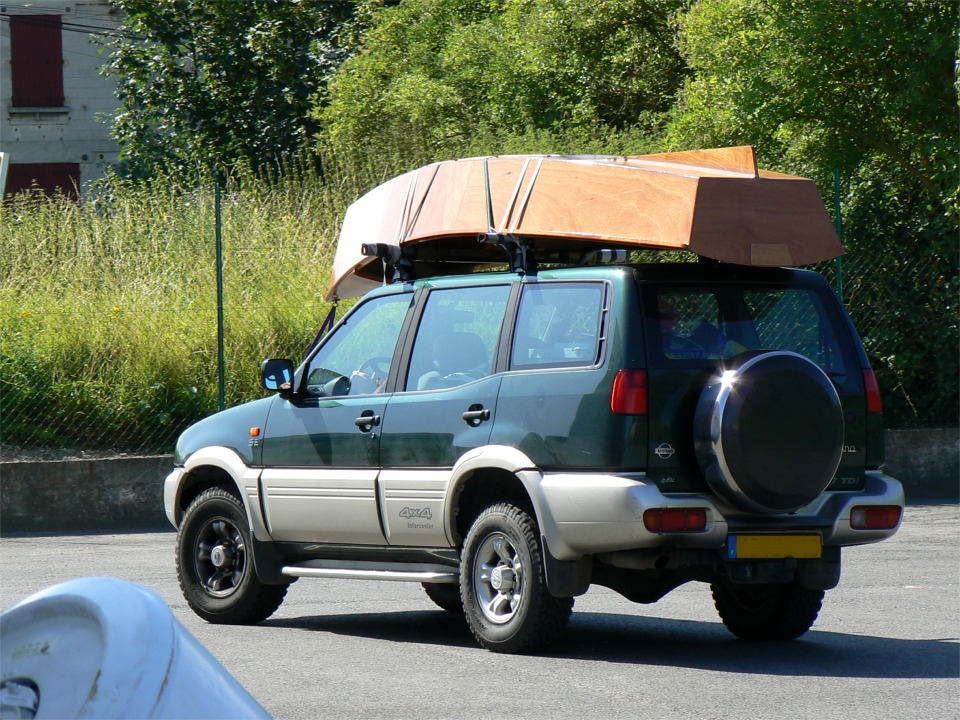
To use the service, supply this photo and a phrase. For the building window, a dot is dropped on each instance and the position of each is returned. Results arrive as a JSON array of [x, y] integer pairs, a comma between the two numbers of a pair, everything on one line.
[[51, 178], [36, 58]]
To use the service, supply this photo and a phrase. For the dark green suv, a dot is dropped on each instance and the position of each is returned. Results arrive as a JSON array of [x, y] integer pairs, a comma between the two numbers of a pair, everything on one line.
[[508, 439]]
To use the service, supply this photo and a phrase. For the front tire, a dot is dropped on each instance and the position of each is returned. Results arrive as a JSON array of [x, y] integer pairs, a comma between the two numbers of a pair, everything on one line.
[[503, 584], [768, 612], [215, 564]]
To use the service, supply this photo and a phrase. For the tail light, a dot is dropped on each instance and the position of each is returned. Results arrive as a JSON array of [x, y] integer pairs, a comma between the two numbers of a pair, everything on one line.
[[874, 402], [675, 519], [875, 517], [629, 395]]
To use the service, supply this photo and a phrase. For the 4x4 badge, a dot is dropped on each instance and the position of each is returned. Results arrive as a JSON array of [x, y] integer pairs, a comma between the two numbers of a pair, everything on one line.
[[409, 513], [664, 451]]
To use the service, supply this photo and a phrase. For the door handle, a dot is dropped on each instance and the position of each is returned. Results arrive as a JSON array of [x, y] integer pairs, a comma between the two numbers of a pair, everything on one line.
[[476, 415], [367, 420]]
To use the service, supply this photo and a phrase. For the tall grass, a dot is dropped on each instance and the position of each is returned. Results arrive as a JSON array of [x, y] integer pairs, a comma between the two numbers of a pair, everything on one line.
[[108, 308]]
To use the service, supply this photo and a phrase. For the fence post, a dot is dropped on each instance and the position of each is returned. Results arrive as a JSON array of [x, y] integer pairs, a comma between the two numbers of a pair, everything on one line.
[[839, 220], [220, 353]]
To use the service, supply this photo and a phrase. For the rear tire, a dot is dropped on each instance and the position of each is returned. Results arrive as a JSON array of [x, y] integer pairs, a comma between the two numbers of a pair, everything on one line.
[[503, 584], [215, 562], [444, 596], [768, 612]]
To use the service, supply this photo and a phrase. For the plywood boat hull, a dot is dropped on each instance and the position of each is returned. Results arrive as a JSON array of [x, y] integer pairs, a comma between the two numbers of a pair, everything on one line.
[[714, 203]]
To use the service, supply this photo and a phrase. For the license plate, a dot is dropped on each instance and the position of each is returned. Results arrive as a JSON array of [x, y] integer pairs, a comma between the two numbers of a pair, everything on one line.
[[742, 547]]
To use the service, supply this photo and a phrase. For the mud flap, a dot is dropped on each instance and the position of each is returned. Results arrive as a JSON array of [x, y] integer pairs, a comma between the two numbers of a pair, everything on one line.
[[268, 563], [566, 578]]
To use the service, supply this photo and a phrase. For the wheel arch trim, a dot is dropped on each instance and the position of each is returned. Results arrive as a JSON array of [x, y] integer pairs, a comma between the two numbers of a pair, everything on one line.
[[487, 457], [246, 481]]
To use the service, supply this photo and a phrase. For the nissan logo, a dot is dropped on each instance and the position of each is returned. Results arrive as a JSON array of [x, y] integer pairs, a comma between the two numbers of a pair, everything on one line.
[[664, 451]]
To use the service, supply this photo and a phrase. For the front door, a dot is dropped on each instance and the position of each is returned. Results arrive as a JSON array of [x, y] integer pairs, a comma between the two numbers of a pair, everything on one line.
[[321, 447]]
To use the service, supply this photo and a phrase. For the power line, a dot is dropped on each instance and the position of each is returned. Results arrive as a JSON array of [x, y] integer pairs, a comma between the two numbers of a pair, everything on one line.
[[81, 28]]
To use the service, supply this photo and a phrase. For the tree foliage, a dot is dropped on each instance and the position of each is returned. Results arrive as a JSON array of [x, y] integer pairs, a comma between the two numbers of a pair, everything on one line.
[[433, 74], [869, 89], [820, 84], [220, 82]]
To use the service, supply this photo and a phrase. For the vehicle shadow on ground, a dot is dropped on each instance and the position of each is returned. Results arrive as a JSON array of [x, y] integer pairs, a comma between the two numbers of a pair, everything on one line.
[[635, 640], [425, 627]]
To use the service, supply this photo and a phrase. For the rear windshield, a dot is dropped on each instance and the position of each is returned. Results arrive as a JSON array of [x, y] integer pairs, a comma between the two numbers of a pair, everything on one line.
[[711, 324]]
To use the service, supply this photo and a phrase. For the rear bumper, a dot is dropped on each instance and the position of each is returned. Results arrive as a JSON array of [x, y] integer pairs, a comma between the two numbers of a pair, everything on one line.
[[879, 489], [585, 514]]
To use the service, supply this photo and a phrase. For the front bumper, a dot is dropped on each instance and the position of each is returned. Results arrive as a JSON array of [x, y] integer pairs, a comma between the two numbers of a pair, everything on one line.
[[171, 489]]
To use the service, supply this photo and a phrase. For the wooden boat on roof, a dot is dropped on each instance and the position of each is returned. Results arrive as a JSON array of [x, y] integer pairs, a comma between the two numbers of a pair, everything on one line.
[[460, 215]]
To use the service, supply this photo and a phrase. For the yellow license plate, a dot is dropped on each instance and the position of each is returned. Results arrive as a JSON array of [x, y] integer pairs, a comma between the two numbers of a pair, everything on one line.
[[742, 547]]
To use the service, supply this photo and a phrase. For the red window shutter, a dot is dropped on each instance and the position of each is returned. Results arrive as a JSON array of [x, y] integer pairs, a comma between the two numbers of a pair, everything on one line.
[[36, 59], [48, 177]]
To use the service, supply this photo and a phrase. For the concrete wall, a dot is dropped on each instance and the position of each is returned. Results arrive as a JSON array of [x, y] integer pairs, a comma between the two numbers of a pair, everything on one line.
[[927, 462], [126, 493], [115, 494]]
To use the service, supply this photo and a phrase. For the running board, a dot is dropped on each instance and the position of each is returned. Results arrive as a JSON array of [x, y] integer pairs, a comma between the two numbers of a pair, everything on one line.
[[346, 573]]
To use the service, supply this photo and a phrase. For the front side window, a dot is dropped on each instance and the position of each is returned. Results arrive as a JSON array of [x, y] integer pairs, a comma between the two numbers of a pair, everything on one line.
[[558, 325], [457, 337], [356, 359]]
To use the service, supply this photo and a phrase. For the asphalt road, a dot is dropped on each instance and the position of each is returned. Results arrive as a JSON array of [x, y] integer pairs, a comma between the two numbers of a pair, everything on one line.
[[885, 646]]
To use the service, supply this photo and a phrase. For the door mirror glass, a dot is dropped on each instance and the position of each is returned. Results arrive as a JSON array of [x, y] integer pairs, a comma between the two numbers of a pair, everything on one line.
[[276, 375]]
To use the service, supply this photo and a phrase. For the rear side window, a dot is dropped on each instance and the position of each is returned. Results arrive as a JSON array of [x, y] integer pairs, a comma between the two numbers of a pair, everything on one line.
[[722, 322], [558, 325]]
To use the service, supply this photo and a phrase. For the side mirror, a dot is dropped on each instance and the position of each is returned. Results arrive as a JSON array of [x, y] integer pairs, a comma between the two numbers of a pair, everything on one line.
[[277, 375]]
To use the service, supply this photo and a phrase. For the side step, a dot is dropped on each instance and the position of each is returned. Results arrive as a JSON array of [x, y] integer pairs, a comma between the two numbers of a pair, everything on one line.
[[359, 570]]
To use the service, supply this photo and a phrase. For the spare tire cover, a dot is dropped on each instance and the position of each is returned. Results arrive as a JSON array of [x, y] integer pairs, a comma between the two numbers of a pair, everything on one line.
[[768, 432]]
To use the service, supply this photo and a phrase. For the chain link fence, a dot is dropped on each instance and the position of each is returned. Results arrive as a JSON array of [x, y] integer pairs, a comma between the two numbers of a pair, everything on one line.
[[109, 315]]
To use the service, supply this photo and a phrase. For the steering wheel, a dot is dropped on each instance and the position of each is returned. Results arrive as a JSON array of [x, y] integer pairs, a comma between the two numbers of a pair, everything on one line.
[[376, 368]]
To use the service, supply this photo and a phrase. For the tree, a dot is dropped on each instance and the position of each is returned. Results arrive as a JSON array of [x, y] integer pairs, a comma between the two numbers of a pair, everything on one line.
[[433, 74], [821, 84], [220, 82], [869, 88]]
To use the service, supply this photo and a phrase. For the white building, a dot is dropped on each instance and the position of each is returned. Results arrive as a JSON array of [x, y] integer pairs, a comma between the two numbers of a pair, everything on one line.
[[52, 96]]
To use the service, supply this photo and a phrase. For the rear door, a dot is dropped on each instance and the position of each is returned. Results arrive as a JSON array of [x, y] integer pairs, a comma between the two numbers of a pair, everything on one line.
[[695, 329], [444, 407], [806, 320]]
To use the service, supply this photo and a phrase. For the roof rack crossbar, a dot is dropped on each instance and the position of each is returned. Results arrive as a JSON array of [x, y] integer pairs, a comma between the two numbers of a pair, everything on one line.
[[397, 261], [521, 254]]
